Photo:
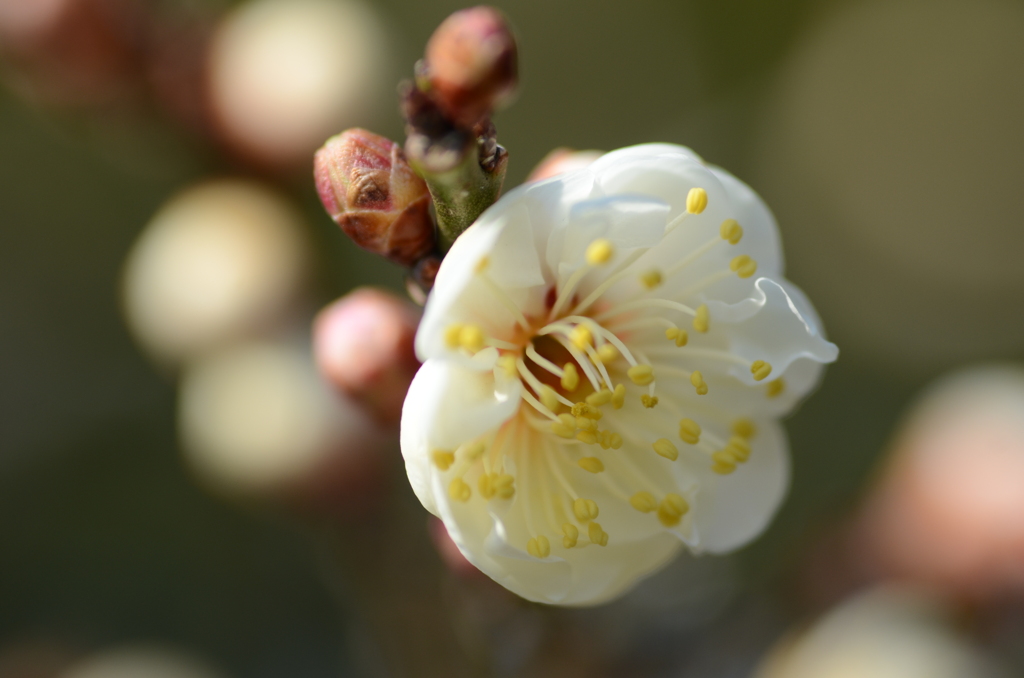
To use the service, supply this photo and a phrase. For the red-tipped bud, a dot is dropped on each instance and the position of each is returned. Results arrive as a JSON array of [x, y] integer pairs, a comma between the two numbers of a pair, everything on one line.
[[560, 161], [368, 188], [472, 65]]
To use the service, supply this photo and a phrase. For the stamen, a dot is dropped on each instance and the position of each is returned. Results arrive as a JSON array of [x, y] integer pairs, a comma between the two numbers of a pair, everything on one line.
[[744, 428], [607, 353], [599, 398], [649, 401], [459, 490], [539, 547], [599, 252], [597, 534], [689, 431], [701, 320], [681, 337], [565, 427], [666, 449], [696, 200], [507, 364], [586, 424], [570, 377], [672, 508], [697, 379], [731, 231], [545, 392], [651, 279], [620, 272], [442, 459], [619, 396], [572, 534], [584, 509], [537, 405], [775, 387], [739, 448], [548, 397], [588, 437], [645, 303], [724, 462], [591, 464], [760, 369], [581, 336], [743, 266], [608, 336], [643, 502], [692, 257], [641, 375], [532, 354]]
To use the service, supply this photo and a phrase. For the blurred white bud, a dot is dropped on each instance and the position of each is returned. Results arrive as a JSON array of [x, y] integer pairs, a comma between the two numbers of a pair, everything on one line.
[[258, 420], [141, 662], [220, 261], [286, 74], [883, 633]]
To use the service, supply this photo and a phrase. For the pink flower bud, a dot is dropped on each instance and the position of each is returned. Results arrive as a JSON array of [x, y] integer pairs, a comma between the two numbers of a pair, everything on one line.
[[472, 64], [562, 160], [368, 188]]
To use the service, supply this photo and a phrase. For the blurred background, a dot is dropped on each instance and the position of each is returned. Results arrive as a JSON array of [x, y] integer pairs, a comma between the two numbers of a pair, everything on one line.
[[179, 495]]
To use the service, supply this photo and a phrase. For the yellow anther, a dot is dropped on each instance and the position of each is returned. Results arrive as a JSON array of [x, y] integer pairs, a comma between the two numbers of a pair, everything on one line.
[[582, 409], [643, 502], [504, 485], [760, 369], [744, 428], [471, 338], [482, 264], [598, 398], [599, 252], [486, 485], [452, 336], [743, 266], [696, 200], [619, 396], [651, 279], [641, 375], [584, 509], [689, 431], [581, 336], [474, 451], [739, 448], [701, 321], [671, 509], [666, 449], [570, 377], [507, 365], [539, 547], [775, 387], [567, 419], [615, 440], [548, 398], [607, 353], [731, 231], [671, 333], [563, 431], [597, 534], [723, 462], [586, 424], [588, 437], [572, 534], [604, 439], [697, 379], [459, 490], [682, 338], [649, 401], [591, 464], [442, 460]]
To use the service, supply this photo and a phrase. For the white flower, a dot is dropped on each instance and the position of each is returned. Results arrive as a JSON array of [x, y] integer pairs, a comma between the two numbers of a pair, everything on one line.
[[603, 374]]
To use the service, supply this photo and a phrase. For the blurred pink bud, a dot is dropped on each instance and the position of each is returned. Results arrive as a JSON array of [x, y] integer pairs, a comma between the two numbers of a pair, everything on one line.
[[472, 65], [368, 188], [364, 345], [949, 511], [562, 160]]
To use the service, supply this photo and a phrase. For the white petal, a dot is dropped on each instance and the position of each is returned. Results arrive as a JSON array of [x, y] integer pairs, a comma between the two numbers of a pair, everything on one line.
[[760, 232], [446, 406], [733, 509]]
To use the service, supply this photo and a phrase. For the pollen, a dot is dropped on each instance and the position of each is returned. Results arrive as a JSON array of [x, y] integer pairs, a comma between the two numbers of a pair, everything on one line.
[[442, 459], [471, 338], [666, 449], [671, 509], [585, 509], [649, 401], [570, 377], [571, 535], [599, 252], [738, 448], [760, 369], [731, 231], [697, 379], [607, 353], [723, 462], [598, 398], [743, 266], [548, 398], [505, 485], [459, 490], [619, 396], [581, 336], [615, 440], [643, 502], [682, 338], [486, 485], [591, 464], [587, 410], [775, 387], [452, 336], [586, 423], [539, 547], [696, 200], [597, 534], [689, 431], [561, 430], [507, 365], [588, 437], [744, 428], [651, 279], [671, 333], [641, 375], [701, 321]]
